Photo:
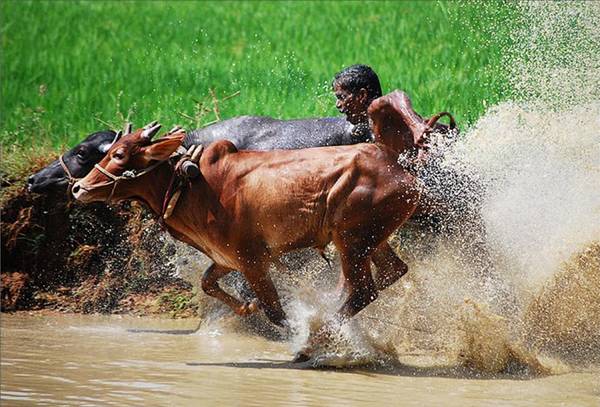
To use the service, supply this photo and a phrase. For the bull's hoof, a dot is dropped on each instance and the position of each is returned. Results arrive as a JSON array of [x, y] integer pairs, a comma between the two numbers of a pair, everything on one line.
[[301, 357], [248, 308]]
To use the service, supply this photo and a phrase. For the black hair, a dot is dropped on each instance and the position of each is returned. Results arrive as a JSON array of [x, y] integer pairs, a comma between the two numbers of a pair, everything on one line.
[[355, 77]]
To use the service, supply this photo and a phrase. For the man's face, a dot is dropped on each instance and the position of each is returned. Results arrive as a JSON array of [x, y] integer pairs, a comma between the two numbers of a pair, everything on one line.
[[354, 106]]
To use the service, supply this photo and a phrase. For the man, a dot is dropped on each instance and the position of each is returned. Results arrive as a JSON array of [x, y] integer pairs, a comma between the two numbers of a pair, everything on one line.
[[355, 88]]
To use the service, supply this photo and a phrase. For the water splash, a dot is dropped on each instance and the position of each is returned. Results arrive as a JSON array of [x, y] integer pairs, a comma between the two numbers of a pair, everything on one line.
[[517, 279], [552, 62], [564, 318]]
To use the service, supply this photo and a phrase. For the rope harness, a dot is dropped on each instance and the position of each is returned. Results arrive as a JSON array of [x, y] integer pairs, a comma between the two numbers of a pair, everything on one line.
[[185, 166], [127, 175], [72, 179]]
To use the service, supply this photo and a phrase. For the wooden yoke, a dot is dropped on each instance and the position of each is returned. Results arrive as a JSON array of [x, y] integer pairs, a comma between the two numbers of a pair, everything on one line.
[[187, 167], [190, 167]]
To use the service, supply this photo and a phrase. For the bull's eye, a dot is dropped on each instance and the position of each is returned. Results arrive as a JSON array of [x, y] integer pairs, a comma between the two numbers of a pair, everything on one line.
[[119, 154]]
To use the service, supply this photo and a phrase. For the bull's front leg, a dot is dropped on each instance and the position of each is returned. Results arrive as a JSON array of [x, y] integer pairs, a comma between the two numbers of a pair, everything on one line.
[[210, 285]]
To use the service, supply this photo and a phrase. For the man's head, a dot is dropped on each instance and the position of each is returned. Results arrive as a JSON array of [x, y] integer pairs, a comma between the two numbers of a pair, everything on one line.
[[355, 87]]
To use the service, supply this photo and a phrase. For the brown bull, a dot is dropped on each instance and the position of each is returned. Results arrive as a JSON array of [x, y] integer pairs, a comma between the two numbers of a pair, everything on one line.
[[249, 207]]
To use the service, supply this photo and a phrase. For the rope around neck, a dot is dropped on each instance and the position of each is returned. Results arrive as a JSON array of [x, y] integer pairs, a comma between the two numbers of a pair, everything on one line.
[[72, 179], [127, 175]]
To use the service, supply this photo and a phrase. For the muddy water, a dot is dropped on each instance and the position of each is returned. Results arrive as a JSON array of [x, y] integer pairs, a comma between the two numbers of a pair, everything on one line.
[[91, 360]]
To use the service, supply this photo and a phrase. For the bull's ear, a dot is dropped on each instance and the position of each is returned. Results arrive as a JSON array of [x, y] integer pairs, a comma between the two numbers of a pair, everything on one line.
[[163, 148]]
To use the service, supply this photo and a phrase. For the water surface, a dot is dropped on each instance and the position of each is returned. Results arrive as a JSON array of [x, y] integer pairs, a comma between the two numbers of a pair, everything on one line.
[[96, 360]]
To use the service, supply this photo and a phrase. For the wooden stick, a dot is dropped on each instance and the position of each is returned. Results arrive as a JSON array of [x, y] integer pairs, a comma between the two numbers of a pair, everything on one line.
[[103, 122], [191, 150], [172, 204], [196, 154], [215, 103]]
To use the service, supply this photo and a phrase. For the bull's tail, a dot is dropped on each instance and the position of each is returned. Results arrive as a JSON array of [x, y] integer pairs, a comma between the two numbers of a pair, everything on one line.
[[449, 130], [433, 120]]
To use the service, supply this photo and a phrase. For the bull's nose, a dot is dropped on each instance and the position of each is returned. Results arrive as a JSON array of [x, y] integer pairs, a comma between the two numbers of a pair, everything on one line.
[[79, 192]]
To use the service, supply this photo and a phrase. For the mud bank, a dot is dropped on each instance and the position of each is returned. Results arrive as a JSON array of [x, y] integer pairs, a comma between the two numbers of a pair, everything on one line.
[[60, 255]]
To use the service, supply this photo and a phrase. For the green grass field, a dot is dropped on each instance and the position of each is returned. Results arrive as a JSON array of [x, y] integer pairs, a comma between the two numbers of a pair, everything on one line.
[[69, 68]]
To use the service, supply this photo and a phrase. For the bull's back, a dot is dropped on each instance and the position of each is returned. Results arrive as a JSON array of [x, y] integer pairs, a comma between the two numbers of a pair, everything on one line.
[[266, 133], [296, 184], [303, 169], [278, 196], [284, 180], [284, 197]]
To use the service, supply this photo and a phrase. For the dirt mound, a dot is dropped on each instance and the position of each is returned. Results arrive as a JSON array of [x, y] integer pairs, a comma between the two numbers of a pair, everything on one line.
[[488, 345], [85, 258], [564, 318]]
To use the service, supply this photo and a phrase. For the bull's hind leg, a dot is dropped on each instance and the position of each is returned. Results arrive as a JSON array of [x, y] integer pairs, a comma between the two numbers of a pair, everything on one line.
[[361, 292], [389, 269], [210, 285], [261, 283], [389, 266]]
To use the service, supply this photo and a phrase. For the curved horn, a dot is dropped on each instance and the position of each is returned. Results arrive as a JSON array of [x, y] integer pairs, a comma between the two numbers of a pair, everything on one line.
[[117, 137], [127, 129], [151, 124], [174, 129], [103, 148], [437, 117], [148, 133]]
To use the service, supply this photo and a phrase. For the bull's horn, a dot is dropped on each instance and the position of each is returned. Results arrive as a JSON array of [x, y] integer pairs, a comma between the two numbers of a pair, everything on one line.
[[117, 137], [174, 129], [148, 133], [127, 129], [151, 124], [103, 148]]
